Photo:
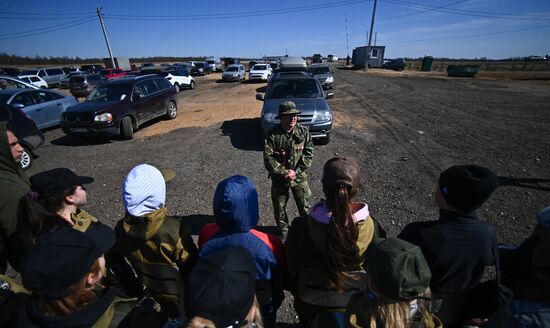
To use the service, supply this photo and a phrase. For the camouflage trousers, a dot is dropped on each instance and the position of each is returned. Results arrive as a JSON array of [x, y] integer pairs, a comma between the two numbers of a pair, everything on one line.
[[279, 197]]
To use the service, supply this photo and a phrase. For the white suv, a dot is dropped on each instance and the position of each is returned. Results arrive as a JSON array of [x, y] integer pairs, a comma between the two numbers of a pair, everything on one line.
[[260, 72], [177, 75]]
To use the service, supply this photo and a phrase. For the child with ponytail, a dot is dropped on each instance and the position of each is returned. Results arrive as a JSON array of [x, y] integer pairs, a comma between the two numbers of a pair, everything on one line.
[[326, 250]]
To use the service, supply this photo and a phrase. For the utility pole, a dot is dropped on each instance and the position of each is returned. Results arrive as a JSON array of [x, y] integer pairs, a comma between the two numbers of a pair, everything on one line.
[[370, 37], [105, 35], [347, 40]]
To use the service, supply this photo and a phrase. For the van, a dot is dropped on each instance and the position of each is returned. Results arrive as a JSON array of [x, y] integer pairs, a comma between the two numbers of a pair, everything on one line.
[[52, 76]]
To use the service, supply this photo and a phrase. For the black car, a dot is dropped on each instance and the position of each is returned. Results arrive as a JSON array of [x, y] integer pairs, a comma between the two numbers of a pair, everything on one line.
[[395, 64], [92, 68], [10, 71], [120, 106], [30, 137]]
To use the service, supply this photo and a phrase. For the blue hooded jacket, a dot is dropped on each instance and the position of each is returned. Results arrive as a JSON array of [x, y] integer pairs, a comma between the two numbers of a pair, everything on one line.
[[236, 212]]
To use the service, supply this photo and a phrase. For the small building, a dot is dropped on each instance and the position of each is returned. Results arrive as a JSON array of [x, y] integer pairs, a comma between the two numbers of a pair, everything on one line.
[[376, 56]]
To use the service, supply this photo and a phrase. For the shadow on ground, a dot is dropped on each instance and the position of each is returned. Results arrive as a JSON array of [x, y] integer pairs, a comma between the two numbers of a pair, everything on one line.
[[195, 222], [245, 133], [72, 141], [530, 183], [262, 89]]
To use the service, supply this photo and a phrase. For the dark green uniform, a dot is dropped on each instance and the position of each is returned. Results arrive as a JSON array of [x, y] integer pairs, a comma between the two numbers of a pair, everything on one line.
[[288, 151]]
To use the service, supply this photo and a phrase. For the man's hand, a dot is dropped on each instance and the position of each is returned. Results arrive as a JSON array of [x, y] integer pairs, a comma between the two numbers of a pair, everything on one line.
[[290, 175]]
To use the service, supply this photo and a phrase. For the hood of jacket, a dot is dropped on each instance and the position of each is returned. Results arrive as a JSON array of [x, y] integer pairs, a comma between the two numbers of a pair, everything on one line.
[[143, 190], [235, 204], [30, 316], [318, 224], [9, 168], [146, 226]]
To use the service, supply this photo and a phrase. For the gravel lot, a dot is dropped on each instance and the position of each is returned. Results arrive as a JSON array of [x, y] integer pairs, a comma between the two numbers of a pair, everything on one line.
[[403, 128]]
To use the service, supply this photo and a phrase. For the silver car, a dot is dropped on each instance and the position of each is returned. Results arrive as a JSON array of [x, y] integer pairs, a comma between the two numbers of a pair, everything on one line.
[[234, 72], [44, 107], [322, 73]]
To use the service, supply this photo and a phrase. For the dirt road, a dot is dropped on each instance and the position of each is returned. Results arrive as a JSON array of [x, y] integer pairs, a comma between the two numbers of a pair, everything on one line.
[[403, 129]]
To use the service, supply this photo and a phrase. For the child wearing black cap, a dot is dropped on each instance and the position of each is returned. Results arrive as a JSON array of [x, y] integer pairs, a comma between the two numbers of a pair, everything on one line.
[[219, 292], [54, 201], [63, 271], [457, 246]]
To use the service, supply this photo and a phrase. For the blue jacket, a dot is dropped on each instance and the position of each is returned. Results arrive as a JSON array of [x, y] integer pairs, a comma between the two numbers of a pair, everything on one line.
[[236, 212]]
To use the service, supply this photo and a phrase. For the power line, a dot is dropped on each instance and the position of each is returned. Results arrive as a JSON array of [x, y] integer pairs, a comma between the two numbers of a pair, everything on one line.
[[45, 14], [424, 10], [46, 30], [233, 14], [475, 13], [471, 35]]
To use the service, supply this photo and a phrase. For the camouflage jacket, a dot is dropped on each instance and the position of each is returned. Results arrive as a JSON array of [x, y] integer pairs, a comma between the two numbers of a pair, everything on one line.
[[288, 151]]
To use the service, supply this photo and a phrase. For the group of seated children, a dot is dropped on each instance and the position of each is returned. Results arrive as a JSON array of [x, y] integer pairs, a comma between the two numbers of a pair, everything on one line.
[[337, 262]]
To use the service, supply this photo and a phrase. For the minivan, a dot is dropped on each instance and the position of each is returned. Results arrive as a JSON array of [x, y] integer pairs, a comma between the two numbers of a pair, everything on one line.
[[52, 76]]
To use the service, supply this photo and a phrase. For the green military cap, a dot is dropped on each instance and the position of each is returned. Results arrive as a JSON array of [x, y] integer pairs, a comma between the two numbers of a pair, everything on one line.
[[288, 108]]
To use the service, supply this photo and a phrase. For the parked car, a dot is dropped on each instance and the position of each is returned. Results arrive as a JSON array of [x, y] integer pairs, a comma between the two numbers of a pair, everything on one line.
[[92, 68], [214, 64], [317, 58], [34, 80], [304, 90], [260, 72], [11, 71], [29, 135], [10, 82], [43, 106], [120, 106], [65, 81], [202, 68], [82, 85], [178, 76], [233, 72], [111, 73], [52, 76], [147, 65], [395, 64], [323, 73]]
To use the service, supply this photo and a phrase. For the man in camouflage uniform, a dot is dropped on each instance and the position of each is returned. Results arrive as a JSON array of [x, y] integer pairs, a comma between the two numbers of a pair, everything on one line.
[[288, 153]]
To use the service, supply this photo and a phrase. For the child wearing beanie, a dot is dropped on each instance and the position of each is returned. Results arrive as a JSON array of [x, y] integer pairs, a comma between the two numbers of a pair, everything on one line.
[[458, 246]]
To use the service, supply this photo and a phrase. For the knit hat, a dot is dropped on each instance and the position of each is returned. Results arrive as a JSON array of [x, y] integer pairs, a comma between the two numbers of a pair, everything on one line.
[[56, 181], [467, 187], [341, 171], [144, 189], [397, 268], [288, 108], [221, 287], [63, 257]]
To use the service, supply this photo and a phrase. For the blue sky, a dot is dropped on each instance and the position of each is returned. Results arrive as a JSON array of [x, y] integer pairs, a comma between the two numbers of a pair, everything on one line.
[[408, 28]]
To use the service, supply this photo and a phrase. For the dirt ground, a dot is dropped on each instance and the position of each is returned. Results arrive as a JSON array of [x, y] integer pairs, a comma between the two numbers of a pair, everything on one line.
[[403, 129]]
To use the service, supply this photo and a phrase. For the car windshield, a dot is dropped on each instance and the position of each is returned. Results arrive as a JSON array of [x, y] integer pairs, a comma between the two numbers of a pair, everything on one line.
[[259, 68], [294, 88], [30, 72], [232, 69], [211, 61], [200, 65], [108, 93], [319, 70]]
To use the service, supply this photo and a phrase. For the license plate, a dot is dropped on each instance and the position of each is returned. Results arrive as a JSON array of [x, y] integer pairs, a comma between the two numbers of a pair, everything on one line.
[[79, 130]]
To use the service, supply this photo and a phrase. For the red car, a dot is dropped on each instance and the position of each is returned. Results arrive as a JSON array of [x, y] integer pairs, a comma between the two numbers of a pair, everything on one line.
[[109, 73]]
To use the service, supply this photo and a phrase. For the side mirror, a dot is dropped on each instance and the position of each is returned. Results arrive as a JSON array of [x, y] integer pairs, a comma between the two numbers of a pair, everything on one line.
[[329, 95], [260, 96], [17, 105]]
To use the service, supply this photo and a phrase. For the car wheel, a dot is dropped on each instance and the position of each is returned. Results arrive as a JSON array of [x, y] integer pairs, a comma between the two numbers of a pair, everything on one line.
[[26, 159], [177, 86], [126, 128], [192, 85], [171, 110]]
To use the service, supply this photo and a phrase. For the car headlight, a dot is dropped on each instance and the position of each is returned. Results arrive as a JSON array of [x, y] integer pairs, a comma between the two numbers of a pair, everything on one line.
[[330, 79], [324, 116], [105, 117], [270, 118]]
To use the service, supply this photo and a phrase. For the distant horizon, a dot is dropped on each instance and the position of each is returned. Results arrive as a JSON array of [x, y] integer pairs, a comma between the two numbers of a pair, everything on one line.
[[496, 29]]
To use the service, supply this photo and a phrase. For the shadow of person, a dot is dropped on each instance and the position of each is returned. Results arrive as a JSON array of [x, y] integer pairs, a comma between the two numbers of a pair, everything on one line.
[[195, 222], [530, 183], [245, 133]]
